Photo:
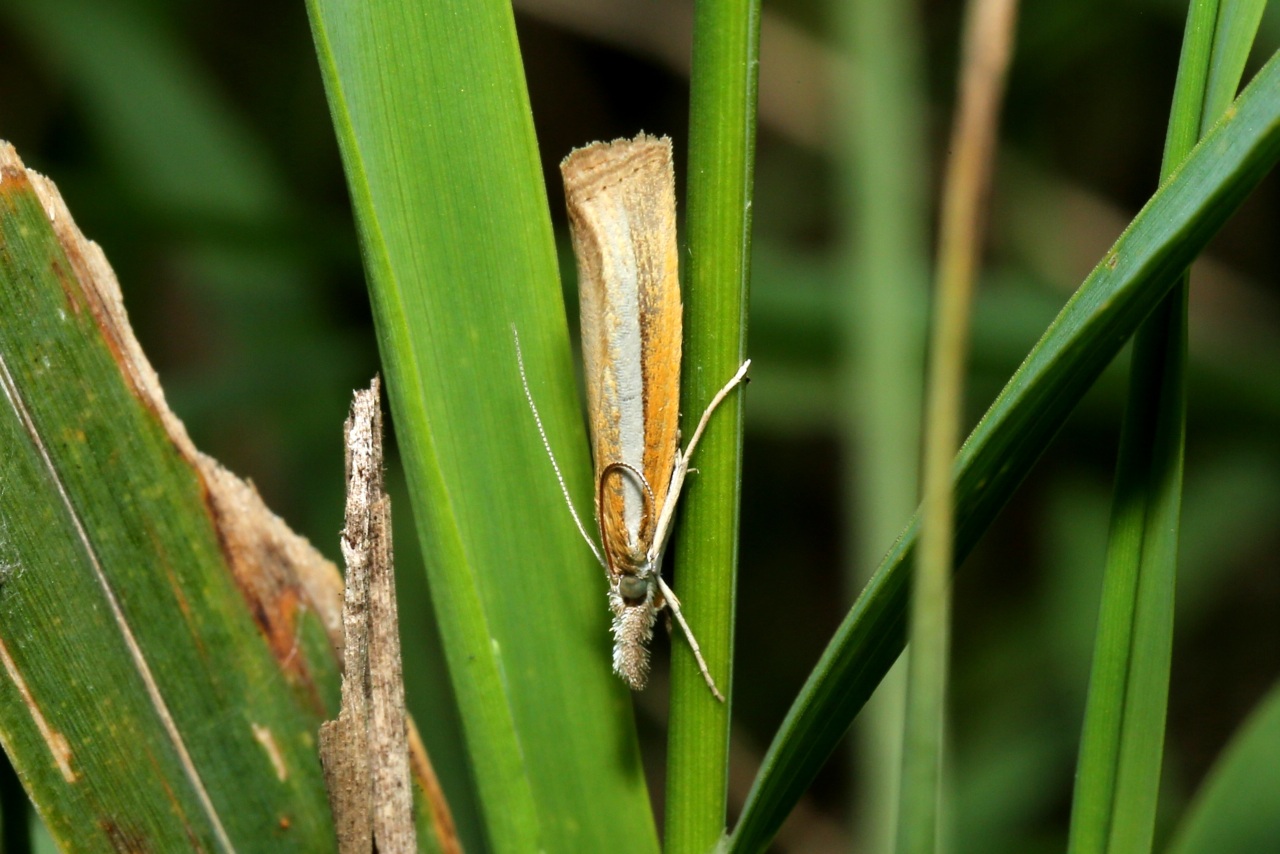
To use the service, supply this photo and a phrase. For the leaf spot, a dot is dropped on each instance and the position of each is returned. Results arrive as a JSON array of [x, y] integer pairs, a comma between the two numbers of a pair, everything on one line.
[[268, 742], [54, 740]]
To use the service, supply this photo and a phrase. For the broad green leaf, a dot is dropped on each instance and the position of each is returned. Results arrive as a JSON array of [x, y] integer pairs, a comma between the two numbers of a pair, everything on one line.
[[169, 646], [433, 121], [1235, 811], [163, 685], [1122, 290]]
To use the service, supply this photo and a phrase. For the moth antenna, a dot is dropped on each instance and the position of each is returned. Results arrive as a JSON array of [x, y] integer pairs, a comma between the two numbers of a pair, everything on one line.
[[537, 419]]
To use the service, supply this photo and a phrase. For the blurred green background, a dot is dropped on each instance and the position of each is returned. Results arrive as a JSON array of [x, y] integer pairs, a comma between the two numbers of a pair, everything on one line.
[[193, 142]]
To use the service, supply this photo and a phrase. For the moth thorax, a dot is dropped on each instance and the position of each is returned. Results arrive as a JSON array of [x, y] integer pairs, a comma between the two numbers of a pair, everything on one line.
[[631, 560]]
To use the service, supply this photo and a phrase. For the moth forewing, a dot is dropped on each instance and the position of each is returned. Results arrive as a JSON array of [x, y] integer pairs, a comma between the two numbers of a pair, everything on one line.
[[622, 214], [621, 203]]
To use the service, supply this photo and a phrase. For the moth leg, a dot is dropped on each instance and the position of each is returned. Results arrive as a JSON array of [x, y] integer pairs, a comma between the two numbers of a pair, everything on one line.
[[711, 407], [669, 595], [681, 467]]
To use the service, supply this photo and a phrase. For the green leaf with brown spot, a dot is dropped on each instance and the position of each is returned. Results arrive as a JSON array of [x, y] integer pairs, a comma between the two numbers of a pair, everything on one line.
[[167, 644]]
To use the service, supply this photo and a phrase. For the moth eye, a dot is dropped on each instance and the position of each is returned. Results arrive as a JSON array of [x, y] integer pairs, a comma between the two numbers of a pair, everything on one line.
[[632, 587]]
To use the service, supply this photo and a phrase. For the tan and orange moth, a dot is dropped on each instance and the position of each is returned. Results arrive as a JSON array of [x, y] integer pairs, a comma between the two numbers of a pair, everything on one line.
[[622, 214]]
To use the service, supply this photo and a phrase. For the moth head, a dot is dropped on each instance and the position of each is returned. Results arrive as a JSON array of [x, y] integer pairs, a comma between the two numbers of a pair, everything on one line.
[[635, 589]]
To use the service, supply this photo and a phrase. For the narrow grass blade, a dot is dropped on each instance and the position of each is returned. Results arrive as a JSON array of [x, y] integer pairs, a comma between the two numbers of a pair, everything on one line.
[[1123, 289], [1233, 39], [1235, 809], [884, 288], [1122, 745], [987, 49], [433, 121], [166, 643], [722, 133]]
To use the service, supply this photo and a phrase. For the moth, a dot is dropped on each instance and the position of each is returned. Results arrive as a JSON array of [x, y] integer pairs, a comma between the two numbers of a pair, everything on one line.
[[622, 214]]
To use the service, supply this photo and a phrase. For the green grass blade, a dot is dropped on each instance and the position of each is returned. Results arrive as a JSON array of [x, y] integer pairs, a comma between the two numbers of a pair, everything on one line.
[[162, 685], [1122, 290], [1122, 744], [1123, 739], [722, 134], [884, 290], [987, 48], [1233, 38], [1235, 808], [433, 121]]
